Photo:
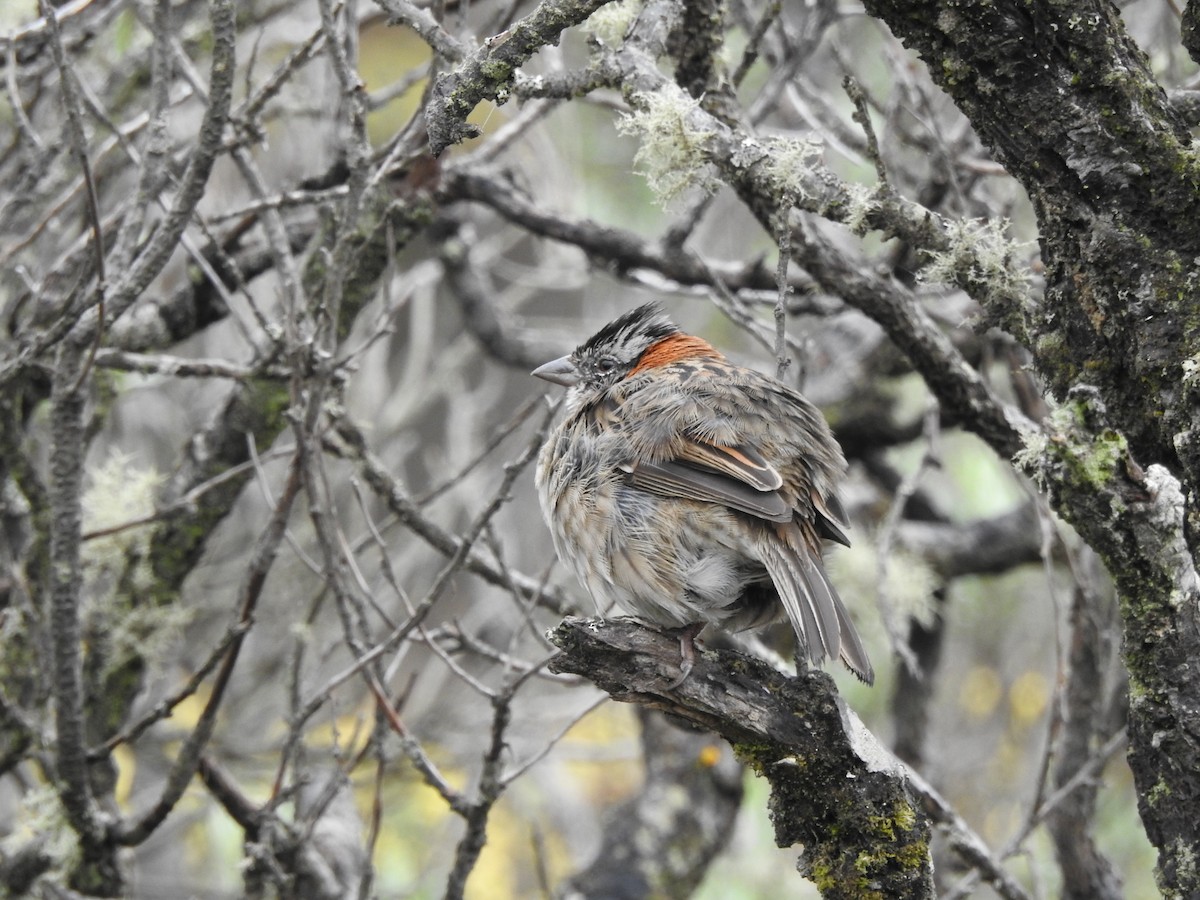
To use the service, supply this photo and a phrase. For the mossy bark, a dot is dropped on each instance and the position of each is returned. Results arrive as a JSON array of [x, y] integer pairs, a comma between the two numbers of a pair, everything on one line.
[[1066, 100], [834, 791]]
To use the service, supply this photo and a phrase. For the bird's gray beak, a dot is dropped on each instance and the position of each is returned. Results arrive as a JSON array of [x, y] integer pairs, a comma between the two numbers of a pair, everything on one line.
[[559, 371]]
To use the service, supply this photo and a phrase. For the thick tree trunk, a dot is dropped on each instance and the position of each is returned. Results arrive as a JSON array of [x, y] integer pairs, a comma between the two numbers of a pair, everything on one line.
[[1066, 101]]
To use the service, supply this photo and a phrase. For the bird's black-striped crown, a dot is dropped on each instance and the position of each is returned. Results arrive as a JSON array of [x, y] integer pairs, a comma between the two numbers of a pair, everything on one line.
[[646, 324]]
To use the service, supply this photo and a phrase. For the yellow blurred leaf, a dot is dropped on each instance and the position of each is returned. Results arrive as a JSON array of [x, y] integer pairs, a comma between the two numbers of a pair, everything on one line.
[[981, 691], [126, 763], [1027, 698]]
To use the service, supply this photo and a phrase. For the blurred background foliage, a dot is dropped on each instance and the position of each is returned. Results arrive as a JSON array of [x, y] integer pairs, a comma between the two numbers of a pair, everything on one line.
[[445, 416]]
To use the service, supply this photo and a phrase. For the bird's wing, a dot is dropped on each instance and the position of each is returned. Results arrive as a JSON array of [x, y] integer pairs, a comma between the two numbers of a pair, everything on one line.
[[831, 518], [736, 476], [694, 451], [692, 481], [742, 463], [680, 459]]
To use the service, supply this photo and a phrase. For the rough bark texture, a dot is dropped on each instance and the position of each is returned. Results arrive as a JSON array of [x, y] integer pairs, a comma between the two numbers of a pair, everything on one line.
[[834, 790], [320, 280], [1066, 101]]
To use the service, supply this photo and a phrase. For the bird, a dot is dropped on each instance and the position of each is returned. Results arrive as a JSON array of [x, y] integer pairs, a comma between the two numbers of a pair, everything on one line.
[[688, 491]]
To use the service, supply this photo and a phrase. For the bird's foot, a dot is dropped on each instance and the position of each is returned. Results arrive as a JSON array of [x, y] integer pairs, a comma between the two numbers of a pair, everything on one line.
[[687, 652]]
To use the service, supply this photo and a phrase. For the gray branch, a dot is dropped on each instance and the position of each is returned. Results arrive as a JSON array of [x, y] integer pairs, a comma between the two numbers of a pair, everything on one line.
[[834, 789], [488, 73]]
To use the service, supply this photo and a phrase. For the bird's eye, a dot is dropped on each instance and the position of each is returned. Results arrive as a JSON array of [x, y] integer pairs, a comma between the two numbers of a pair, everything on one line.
[[606, 365]]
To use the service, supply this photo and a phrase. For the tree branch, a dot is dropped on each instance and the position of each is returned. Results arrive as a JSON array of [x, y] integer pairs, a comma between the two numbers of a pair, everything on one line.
[[487, 74], [834, 789]]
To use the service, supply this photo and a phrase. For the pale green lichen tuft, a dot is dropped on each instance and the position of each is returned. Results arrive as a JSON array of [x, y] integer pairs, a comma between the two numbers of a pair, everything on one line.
[[980, 255], [1191, 372], [1091, 457], [119, 493], [611, 22], [791, 165], [1187, 868], [39, 816], [1030, 457], [860, 201], [672, 156], [911, 584], [909, 581], [117, 567]]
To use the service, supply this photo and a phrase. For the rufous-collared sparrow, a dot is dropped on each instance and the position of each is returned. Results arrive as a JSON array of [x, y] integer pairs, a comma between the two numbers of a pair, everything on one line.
[[690, 491]]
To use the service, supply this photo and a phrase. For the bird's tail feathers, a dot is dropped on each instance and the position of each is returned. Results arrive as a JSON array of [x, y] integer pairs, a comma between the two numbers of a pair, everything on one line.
[[818, 616]]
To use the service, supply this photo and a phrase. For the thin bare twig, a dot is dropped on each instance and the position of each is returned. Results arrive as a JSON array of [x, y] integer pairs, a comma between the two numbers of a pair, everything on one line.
[[78, 142], [930, 458]]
